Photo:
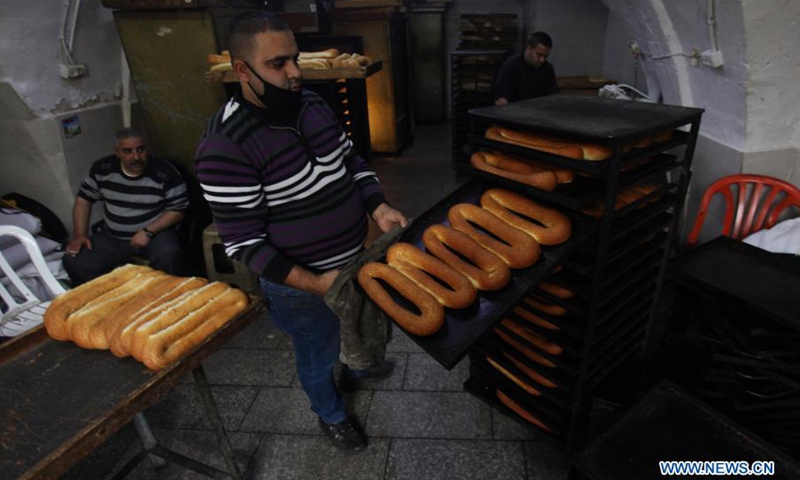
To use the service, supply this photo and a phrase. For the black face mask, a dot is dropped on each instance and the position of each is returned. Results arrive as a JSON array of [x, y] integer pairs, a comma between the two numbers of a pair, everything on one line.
[[276, 99]]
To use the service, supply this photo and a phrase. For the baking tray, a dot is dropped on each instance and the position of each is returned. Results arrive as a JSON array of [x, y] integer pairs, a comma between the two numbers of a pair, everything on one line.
[[59, 401], [564, 383], [483, 387], [556, 400], [727, 268], [591, 118], [552, 413], [565, 362], [464, 326], [571, 328], [670, 423], [581, 191]]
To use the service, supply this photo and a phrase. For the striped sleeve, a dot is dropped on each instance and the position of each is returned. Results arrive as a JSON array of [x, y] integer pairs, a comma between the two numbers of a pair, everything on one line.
[[366, 179], [176, 194], [232, 187], [89, 189]]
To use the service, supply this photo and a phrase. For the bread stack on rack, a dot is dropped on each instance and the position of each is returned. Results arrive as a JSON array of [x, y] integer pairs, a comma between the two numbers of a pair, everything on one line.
[[329, 58], [135, 310]]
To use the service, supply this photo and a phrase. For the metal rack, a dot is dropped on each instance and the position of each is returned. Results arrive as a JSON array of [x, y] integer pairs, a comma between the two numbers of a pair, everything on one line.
[[472, 73], [615, 274]]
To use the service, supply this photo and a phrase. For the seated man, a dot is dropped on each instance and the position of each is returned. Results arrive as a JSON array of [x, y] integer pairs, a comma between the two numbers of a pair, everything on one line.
[[144, 199], [528, 75]]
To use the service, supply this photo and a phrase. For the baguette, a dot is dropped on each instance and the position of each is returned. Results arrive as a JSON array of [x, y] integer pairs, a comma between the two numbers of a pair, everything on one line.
[[314, 63], [328, 54], [177, 309], [222, 67], [102, 335], [575, 150], [55, 318], [103, 308], [534, 319], [533, 374], [530, 354], [513, 169], [121, 338], [516, 408], [215, 59], [532, 338], [169, 344], [522, 384], [337, 62]]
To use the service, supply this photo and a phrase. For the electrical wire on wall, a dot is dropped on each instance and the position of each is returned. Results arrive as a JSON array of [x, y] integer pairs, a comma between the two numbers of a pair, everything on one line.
[[69, 21], [711, 57]]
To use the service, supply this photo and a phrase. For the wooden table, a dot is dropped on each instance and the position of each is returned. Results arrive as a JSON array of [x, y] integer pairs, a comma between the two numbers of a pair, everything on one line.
[[58, 402]]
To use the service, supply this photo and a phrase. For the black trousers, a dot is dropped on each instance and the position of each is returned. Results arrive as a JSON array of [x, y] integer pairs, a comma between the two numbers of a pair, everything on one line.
[[108, 252]]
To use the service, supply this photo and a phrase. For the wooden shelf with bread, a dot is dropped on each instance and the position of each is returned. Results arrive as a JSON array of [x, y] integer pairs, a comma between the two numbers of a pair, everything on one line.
[[329, 64], [622, 166]]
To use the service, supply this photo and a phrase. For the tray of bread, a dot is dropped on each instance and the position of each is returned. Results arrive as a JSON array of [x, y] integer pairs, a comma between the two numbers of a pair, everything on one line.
[[447, 281], [563, 185], [137, 311], [329, 64]]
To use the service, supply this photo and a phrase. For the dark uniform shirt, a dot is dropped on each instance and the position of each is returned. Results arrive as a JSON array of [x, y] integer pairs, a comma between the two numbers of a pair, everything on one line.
[[517, 81]]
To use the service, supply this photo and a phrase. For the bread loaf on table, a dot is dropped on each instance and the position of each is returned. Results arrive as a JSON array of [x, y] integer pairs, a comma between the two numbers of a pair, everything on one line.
[[174, 339], [93, 316], [171, 313], [55, 318], [119, 335]]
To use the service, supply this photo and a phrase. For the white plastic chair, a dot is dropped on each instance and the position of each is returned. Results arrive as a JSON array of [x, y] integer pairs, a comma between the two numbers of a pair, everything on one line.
[[19, 317]]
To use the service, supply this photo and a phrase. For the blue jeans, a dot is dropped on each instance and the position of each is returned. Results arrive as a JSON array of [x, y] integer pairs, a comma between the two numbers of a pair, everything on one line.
[[314, 330]]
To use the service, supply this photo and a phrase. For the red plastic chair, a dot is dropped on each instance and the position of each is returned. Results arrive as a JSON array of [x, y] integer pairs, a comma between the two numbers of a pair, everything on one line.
[[756, 204]]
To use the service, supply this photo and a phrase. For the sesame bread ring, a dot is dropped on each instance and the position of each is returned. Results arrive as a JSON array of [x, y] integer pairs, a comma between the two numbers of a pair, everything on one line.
[[533, 374], [484, 269], [431, 316], [534, 319], [545, 307], [551, 228], [532, 338], [515, 170], [517, 249], [520, 383], [516, 408], [556, 290], [530, 354], [421, 267]]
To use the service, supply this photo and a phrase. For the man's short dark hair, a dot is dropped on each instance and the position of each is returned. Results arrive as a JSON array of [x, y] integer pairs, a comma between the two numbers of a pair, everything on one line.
[[539, 38], [127, 132], [246, 26]]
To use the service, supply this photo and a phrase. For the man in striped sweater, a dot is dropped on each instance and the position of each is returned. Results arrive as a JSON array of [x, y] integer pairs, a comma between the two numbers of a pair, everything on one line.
[[290, 198], [143, 199]]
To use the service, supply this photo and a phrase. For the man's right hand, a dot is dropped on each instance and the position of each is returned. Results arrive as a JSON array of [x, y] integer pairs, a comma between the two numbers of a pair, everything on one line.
[[77, 243]]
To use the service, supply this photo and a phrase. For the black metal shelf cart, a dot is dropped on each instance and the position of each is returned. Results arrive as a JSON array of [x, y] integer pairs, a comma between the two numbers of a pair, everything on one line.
[[583, 342]]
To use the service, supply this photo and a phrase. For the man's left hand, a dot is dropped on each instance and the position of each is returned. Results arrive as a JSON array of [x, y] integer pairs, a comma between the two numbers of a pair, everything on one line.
[[388, 218], [140, 240]]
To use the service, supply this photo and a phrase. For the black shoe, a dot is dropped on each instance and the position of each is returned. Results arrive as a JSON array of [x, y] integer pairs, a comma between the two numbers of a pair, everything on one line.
[[344, 436], [365, 378]]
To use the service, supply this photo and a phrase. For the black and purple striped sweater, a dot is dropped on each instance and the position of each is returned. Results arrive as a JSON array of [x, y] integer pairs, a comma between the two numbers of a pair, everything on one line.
[[285, 192]]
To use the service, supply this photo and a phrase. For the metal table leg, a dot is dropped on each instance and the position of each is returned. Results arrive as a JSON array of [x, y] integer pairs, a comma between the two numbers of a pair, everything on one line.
[[212, 413]]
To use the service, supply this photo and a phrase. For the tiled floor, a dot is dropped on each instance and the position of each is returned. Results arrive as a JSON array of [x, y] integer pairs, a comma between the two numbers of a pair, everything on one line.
[[420, 422]]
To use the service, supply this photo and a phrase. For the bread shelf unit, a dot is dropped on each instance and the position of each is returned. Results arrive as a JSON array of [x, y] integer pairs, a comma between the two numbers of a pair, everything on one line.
[[471, 73], [616, 274]]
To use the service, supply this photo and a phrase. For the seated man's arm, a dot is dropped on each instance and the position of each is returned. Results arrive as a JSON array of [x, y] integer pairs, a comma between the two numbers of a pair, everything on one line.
[[176, 198], [81, 212], [504, 84]]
